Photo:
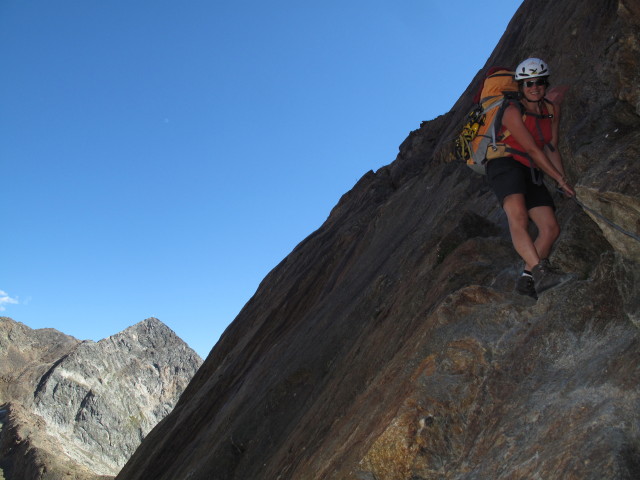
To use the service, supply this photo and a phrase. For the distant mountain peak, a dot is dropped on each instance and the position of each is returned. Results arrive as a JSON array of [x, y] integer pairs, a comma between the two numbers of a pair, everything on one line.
[[94, 401]]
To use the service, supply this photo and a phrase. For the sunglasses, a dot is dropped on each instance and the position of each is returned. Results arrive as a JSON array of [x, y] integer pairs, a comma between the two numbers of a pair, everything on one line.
[[534, 83]]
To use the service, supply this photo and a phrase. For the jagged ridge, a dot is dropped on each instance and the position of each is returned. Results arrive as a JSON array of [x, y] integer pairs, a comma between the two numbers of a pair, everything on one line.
[[84, 407]]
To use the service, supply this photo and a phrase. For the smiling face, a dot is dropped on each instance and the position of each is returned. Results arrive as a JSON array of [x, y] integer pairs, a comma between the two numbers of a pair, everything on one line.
[[534, 89]]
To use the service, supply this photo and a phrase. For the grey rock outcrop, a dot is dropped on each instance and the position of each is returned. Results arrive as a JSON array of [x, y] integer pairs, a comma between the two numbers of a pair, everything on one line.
[[84, 407], [389, 344], [25, 354]]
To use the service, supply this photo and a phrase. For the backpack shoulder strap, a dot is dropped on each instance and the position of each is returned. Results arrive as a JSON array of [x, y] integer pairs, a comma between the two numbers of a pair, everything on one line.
[[503, 107]]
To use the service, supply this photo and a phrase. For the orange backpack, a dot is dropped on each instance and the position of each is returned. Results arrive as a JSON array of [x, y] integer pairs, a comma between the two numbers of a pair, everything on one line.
[[478, 141]]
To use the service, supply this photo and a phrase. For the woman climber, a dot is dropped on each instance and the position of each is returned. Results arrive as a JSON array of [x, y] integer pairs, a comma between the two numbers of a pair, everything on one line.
[[517, 179]]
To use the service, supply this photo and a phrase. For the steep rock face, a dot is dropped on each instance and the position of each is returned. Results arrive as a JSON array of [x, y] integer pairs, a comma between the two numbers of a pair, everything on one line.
[[389, 344], [84, 407]]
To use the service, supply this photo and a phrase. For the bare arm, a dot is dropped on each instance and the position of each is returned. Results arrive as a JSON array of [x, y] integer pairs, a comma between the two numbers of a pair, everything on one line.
[[554, 156], [512, 120]]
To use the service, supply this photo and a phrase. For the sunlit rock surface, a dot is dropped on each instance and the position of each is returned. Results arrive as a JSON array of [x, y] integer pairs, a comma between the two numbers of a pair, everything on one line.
[[389, 345], [79, 409]]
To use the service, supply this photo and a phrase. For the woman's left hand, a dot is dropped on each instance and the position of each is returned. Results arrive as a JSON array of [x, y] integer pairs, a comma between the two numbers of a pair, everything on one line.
[[566, 188]]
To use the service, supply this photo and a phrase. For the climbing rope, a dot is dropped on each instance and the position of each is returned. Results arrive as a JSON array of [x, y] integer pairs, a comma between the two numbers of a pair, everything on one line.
[[603, 218]]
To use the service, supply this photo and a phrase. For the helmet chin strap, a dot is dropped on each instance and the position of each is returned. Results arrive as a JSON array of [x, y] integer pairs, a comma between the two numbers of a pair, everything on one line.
[[524, 97]]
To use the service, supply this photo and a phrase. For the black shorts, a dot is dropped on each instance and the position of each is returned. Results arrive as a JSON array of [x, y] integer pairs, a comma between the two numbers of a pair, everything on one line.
[[507, 176]]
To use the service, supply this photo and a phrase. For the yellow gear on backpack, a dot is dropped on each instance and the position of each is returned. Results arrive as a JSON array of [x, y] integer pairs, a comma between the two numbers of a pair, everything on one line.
[[478, 141]]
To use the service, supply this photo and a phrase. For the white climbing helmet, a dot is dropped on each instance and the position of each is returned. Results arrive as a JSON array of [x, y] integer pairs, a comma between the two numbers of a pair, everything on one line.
[[532, 68]]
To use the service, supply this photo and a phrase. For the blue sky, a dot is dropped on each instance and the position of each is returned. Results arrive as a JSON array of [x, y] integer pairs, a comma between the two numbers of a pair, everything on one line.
[[160, 157]]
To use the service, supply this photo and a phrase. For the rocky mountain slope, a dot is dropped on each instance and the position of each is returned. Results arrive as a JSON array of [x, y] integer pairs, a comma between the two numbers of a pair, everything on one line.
[[77, 410], [389, 345]]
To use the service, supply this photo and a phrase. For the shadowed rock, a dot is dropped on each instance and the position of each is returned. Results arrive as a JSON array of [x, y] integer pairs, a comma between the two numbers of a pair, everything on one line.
[[390, 345]]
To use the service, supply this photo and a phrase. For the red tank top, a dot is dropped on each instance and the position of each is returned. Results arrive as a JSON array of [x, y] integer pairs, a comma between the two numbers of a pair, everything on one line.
[[540, 129]]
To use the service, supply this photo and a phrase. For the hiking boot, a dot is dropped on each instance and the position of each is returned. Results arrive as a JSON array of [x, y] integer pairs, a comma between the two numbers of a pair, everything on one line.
[[524, 286], [546, 277]]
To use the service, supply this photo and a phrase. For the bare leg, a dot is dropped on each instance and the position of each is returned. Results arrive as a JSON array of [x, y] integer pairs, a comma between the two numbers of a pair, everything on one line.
[[518, 217], [548, 229]]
